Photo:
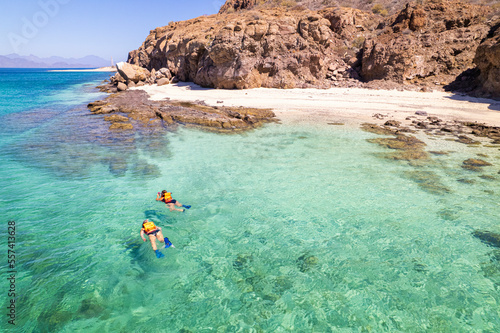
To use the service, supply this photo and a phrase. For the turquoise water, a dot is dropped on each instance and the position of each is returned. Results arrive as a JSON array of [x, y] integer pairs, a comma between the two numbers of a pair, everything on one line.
[[293, 227]]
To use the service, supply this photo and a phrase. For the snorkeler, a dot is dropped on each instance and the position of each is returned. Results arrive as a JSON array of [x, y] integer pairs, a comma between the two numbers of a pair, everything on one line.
[[166, 197], [154, 232]]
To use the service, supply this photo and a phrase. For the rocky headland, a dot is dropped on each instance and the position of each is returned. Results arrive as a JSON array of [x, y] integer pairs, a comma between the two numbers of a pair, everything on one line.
[[426, 46]]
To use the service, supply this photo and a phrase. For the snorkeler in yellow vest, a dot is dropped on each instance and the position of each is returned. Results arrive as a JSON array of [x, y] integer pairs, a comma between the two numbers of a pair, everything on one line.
[[166, 197], [154, 233]]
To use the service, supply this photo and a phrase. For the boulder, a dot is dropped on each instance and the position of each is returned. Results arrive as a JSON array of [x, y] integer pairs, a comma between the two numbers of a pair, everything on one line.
[[162, 82], [121, 86], [132, 72]]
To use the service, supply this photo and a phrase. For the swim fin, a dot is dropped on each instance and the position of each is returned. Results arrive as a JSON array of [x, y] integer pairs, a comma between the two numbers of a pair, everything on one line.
[[186, 206], [167, 242], [159, 254]]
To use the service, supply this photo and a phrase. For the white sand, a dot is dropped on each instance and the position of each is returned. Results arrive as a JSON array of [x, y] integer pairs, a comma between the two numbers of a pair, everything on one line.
[[348, 105]]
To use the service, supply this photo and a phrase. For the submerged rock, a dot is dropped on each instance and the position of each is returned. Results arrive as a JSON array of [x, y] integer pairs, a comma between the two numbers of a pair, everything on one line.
[[121, 126], [488, 237], [409, 148], [468, 141], [403, 142], [428, 181], [374, 128], [306, 262], [242, 260], [474, 164], [146, 113], [90, 308]]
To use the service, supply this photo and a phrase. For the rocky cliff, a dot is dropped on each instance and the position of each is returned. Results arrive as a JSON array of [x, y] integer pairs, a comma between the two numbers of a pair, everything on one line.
[[487, 60], [432, 42], [427, 44], [267, 48]]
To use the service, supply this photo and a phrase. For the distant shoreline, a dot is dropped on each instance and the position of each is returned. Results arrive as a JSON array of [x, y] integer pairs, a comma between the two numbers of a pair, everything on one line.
[[100, 69]]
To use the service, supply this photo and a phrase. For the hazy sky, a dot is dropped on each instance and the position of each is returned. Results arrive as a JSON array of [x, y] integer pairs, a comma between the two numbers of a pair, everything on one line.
[[76, 28]]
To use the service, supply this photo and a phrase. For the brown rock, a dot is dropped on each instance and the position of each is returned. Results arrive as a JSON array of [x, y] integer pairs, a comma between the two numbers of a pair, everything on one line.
[[116, 118], [487, 59], [468, 141], [373, 128], [231, 6], [132, 72], [162, 82], [269, 48], [121, 86], [393, 123], [121, 126], [476, 162], [143, 112], [446, 36]]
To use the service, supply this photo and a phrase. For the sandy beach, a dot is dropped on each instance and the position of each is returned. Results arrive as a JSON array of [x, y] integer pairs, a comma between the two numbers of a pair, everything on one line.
[[347, 105]]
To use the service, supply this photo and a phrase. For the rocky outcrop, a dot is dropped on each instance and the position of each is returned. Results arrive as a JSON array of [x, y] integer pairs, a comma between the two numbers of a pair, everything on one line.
[[487, 60], [424, 46], [435, 41], [234, 5], [133, 109], [132, 73], [268, 48]]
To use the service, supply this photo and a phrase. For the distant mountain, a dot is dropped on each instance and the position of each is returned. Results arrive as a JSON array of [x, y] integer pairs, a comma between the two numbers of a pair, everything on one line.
[[16, 61]]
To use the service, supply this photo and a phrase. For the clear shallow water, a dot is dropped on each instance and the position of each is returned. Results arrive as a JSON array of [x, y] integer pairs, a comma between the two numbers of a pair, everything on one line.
[[294, 228]]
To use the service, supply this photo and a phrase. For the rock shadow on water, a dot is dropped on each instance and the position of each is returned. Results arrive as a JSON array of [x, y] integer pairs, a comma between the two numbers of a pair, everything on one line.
[[152, 214], [144, 170]]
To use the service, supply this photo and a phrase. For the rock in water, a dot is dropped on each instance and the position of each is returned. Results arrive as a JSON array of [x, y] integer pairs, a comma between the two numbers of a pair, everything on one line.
[[488, 237]]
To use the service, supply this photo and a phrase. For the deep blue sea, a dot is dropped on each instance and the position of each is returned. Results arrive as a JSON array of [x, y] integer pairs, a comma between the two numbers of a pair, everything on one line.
[[293, 227]]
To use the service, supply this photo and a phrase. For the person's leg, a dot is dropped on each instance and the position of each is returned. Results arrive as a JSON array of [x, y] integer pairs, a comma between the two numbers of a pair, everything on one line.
[[152, 239], [164, 239], [171, 206], [178, 204]]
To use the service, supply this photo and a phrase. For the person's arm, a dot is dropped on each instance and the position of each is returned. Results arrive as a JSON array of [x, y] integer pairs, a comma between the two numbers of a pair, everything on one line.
[[142, 234], [158, 197]]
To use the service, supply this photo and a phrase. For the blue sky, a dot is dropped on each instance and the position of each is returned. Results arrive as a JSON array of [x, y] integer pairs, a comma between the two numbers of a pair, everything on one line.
[[76, 28]]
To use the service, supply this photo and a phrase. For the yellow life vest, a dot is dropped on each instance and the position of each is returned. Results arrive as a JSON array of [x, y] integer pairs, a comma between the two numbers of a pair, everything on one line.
[[168, 197], [149, 226]]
